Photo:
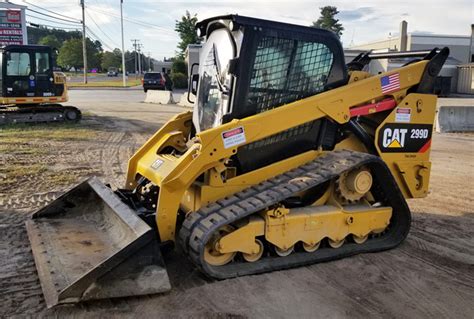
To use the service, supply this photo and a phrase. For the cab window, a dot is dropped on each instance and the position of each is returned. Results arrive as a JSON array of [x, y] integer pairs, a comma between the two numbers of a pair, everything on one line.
[[42, 63], [18, 64]]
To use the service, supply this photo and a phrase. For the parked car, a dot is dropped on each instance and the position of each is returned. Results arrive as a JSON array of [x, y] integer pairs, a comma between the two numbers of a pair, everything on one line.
[[157, 81], [112, 72]]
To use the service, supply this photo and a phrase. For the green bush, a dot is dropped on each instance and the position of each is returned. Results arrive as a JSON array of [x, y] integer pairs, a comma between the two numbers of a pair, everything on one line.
[[179, 66], [180, 80]]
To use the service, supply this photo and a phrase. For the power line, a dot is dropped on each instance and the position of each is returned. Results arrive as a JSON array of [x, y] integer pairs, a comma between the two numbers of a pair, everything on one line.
[[144, 24], [100, 29], [51, 26], [50, 11], [50, 16], [44, 19], [95, 37]]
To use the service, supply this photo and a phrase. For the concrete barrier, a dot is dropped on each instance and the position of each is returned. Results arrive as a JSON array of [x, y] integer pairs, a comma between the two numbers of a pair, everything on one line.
[[455, 119], [159, 97], [183, 101]]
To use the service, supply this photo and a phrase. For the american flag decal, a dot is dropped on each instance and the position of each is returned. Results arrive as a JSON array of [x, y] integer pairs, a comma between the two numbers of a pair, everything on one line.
[[390, 82]]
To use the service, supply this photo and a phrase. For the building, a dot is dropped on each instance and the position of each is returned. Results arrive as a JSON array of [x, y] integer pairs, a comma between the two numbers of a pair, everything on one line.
[[461, 52], [163, 66], [192, 57]]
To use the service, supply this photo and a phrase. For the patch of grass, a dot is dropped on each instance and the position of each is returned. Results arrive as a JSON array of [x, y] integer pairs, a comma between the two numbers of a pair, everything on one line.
[[13, 172], [15, 148], [17, 134], [108, 83], [62, 178], [87, 113]]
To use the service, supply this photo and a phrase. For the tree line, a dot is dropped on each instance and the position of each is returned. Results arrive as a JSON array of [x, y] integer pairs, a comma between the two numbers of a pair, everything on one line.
[[69, 46]]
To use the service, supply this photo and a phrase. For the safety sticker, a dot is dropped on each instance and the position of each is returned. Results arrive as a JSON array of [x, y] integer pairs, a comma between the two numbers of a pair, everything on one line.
[[403, 115], [156, 164], [233, 137]]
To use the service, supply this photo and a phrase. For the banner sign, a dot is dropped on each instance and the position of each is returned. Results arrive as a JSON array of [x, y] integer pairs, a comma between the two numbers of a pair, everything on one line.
[[11, 31]]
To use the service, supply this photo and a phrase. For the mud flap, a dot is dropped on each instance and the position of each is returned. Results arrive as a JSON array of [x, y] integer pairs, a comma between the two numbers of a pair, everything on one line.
[[87, 244]]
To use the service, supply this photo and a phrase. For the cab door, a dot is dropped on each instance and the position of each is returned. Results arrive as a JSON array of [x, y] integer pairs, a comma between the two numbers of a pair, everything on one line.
[[18, 73], [43, 73]]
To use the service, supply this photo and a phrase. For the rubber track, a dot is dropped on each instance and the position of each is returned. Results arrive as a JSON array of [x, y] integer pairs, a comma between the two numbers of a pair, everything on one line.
[[37, 114], [198, 227]]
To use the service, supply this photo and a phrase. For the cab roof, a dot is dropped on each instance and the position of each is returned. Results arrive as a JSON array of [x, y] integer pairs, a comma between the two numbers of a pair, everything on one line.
[[261, 23]]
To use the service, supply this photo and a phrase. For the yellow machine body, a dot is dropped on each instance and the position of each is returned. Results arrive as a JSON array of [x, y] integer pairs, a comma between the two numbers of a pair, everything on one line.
[[280, 164], [176, 176]]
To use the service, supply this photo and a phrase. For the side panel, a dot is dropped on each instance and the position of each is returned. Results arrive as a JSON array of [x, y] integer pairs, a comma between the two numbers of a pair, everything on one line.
[[403, 141]]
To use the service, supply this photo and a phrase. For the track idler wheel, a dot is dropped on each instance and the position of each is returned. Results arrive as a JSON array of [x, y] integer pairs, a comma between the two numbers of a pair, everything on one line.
[[211, 253], [72, 114]]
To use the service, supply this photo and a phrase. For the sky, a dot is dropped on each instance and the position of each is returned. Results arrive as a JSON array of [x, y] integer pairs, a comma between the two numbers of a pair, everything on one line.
[[153, 21]]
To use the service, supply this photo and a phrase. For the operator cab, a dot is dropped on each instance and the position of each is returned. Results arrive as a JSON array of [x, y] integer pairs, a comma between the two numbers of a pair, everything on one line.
[[27, 71], [248, 66]]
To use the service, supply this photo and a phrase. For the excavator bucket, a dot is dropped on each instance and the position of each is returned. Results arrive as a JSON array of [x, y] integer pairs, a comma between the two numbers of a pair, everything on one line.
[[88, 244]]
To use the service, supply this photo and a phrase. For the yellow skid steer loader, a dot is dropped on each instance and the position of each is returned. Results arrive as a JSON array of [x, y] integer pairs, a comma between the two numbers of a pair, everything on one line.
[[290, 157]]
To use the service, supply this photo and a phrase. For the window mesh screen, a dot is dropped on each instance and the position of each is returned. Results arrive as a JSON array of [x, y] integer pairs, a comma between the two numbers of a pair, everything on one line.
[[284, 71], [287, 70]]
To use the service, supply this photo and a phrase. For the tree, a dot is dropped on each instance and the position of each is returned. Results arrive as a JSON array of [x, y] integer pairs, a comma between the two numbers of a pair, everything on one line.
[[51, 41], [111, 59], [36, 33], [328, 21], [70, 54], [187, 32], [179, 66]]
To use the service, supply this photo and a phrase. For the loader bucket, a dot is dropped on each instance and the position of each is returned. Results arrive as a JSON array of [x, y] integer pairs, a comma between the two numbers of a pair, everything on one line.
[[87, 245]]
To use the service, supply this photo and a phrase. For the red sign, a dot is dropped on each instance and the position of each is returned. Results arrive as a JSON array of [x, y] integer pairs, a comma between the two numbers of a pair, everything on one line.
[[13, 16], [233, 132]]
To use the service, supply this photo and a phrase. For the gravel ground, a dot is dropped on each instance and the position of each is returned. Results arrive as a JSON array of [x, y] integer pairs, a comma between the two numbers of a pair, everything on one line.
[[429, 275]]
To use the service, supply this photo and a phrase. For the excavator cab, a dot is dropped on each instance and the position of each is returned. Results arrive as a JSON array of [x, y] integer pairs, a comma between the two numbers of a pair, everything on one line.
[[27, 71], [30, 88]]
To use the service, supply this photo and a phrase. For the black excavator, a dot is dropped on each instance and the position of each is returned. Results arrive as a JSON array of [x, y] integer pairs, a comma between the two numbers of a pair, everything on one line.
[[31, 91]]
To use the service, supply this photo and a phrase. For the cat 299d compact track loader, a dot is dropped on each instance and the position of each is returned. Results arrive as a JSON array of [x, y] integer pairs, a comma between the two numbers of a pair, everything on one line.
[[30, 91], [290, 157]]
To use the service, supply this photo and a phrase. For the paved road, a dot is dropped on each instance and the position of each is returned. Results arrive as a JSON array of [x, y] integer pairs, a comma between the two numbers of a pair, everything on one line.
[[96, 78], [125, 105]]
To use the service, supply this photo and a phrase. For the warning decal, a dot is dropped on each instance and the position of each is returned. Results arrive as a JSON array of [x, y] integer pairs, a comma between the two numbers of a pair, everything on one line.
[[233, 137], [403, 115]]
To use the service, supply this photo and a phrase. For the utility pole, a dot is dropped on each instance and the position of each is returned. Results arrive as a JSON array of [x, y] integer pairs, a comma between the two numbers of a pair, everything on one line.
[[124, 71], [139, 59], [84, 50], [149, 61], [135, 44]]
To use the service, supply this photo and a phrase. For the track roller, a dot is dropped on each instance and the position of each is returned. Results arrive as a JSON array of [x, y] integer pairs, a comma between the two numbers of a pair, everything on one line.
[[256, 255], [336, 243], [311, 248], [284, 252]]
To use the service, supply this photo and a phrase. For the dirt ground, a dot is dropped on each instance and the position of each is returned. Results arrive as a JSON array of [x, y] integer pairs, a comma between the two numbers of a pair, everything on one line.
[[429, 276]]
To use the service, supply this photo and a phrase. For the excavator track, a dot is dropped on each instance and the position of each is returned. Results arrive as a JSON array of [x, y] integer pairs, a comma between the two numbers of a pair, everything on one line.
[[39, 114], [198, 227]]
